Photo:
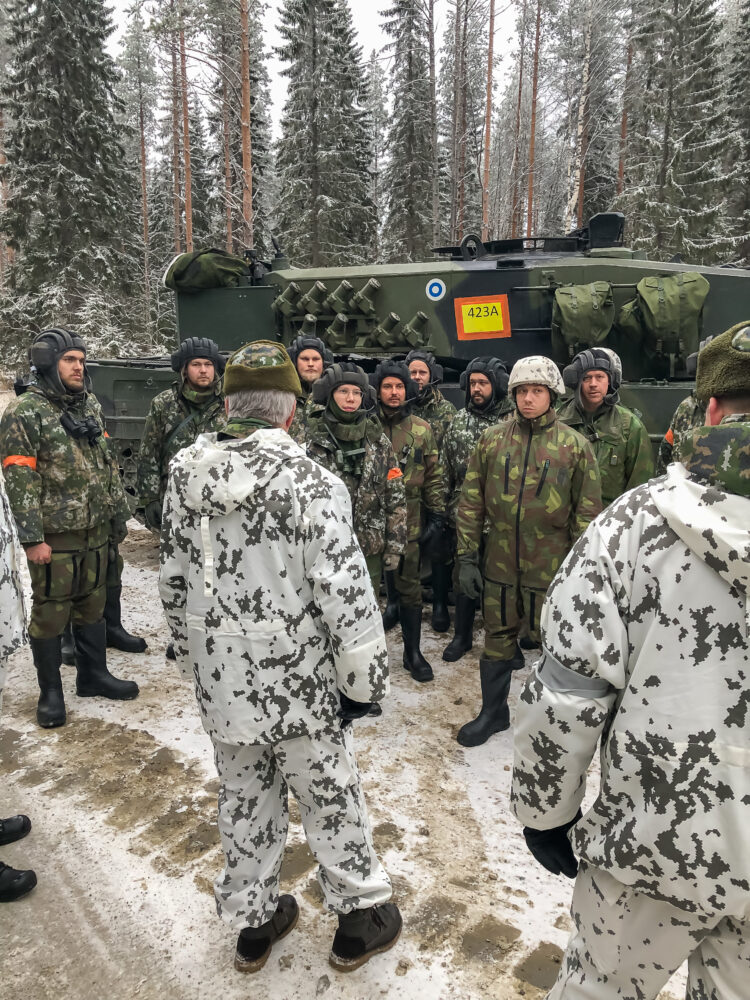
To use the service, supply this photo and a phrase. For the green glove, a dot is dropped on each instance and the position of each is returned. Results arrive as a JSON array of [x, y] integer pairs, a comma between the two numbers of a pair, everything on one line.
[[470, 580]]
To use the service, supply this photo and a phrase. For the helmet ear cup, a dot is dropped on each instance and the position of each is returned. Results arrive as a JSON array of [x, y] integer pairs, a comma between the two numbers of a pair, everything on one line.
[[50, 344]]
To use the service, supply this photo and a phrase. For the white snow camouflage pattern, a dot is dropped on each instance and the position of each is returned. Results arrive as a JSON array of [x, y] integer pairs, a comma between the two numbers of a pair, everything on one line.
[[645, 634], [266, 590], [13, 612]]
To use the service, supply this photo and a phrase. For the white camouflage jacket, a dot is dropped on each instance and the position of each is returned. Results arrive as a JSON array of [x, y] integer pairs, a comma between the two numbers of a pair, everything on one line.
[[12, 608], [646, 634], [266, 590]]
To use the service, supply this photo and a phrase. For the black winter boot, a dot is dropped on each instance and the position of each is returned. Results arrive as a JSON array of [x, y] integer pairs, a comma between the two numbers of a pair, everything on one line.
[[411, 631], [50, 711], [494, 717], [117, 636], [441, 582], [15, 883], [390, 614], [462, 641], [67, 649], [91, 659], [364, 933], [255, 943]]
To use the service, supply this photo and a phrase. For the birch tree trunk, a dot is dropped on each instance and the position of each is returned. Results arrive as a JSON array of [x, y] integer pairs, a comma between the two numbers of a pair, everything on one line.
[[624, 121], [247, 158], [462, 126], [186, 140], [532, 138], [455, 139], [515, 170], [574, 208], [144, 203], [434, 125], [176, 187], [487, 130]]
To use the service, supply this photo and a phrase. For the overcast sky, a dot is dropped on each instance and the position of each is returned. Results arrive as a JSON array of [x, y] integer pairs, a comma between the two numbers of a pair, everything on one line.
[[367, 19]]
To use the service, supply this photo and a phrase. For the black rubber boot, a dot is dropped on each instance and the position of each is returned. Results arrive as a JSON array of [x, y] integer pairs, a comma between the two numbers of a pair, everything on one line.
[[494, 717], [390, 615], [169, 651], [15, 883], [364, 933], [14, 828], [117, 636], [411, 631], [94, 680], [255, 943], [527, 643], [50, 711], [441, 582], [67, 649], [462, 641]]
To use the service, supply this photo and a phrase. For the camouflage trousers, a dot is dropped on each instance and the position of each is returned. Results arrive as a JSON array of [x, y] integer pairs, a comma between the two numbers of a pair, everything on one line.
[[627, 945], [73, 586], [253, 820], [408, 582], [509, 610], [375, 569]]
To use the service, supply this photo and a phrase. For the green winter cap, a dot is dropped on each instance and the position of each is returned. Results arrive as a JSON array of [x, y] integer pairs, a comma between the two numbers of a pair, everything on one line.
[[724, 365], [262, 364]]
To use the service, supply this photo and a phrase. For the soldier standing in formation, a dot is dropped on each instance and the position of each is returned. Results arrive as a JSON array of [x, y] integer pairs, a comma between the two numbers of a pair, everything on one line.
[[348, 440], [619, 439], [285, 642], [535, 482], [646, 647], [416, 453], [193, 405], [69, 505], [14, 882], [485, 381], [310, 357], [690, 413]]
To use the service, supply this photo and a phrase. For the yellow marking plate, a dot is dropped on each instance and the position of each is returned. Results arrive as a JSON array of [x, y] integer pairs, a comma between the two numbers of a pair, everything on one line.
[[482, 317]]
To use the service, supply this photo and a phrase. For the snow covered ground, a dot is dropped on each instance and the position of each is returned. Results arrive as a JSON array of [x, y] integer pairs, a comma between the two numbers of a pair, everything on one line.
[[125, 845]]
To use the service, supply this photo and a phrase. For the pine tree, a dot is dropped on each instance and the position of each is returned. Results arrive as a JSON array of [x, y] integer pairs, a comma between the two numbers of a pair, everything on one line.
[[378, 111], [737, 84], [325, 213], [408, 225], [675, 180], [68, 189]]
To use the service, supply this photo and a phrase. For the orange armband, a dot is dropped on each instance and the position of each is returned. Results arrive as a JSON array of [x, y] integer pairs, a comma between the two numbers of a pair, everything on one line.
[[19, 460], [669, 437], [395, 473]]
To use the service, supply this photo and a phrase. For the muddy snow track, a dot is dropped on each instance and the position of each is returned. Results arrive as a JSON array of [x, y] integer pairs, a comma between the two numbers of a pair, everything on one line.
[[125, 846]]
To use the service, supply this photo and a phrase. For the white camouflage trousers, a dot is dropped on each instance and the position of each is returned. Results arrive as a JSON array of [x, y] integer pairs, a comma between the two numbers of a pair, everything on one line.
[[254, 817], [627, 945]]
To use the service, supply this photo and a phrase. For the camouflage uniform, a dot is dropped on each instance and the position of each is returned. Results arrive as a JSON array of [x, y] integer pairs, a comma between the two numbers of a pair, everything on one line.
[[64, 491], [432, 406], [645, 633], [620, 442], [376, 491], [537, 485], [267, 596], [298, 429], [417, 454], [12, 608], [688, 415], [176, 418]]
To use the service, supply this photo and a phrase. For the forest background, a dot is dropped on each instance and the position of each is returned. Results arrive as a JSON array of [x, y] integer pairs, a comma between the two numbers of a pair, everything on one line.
[[126, 140]]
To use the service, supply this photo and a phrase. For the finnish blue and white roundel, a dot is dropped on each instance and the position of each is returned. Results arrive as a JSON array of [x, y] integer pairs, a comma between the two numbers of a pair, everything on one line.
[[435, 289]]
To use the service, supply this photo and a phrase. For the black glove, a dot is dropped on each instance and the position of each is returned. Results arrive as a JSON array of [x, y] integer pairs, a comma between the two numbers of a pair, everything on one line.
[[470, 580], [435, 538], [552, 849], [350, 710], [152, 515]]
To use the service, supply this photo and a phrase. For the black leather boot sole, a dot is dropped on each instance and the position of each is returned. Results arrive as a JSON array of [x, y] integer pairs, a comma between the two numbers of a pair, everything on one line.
[[254, 945], [365, 933]]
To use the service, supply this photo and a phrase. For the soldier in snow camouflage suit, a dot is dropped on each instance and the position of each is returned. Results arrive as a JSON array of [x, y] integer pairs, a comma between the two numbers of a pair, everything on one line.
[[348, 440], [485, 381], [14, 883], [646, 633], [619, 438], [535, 482], [271, 609], [70, 508]]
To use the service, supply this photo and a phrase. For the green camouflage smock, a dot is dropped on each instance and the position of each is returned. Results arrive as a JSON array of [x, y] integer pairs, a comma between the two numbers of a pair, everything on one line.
[[57, 483], [378, 496], [416, 453], [439, 412], [173, 423], [689, 414], [537, 483], [460, 441], [298, 428], [620, 442]]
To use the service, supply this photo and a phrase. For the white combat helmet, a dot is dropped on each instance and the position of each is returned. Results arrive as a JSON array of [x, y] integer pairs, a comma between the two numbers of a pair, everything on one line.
[[539, 371]]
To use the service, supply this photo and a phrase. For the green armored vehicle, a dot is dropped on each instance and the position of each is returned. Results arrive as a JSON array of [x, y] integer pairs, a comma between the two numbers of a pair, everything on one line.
[[508, 298]]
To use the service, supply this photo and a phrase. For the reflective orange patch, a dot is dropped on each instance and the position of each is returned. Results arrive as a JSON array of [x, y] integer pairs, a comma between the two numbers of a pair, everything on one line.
[[19, 460], [669, 437], [395, 473]]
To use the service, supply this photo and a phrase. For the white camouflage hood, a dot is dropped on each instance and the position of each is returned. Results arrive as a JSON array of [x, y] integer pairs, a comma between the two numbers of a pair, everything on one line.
[[215, 477], [714, 524]]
